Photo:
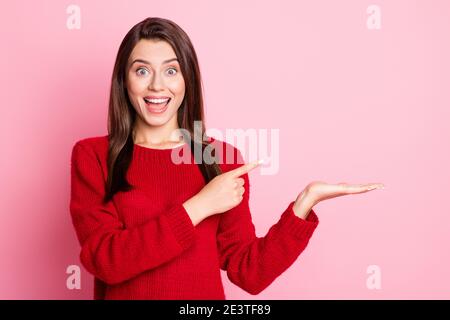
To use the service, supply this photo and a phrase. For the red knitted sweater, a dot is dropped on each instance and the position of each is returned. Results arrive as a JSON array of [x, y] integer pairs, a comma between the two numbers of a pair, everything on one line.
[[143, 245]]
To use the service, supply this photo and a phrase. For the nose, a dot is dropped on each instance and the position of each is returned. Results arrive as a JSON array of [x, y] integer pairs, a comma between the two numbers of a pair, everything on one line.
[[156, 82]]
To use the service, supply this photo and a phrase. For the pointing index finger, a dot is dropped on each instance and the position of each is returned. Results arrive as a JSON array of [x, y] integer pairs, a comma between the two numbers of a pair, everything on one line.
[[245, 168]]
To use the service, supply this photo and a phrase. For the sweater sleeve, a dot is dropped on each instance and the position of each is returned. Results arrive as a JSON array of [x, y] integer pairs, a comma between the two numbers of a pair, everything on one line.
[[253, 263], [110, 251]]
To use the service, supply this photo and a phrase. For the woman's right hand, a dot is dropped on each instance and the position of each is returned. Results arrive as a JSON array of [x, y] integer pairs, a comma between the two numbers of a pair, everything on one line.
[[221, 194]]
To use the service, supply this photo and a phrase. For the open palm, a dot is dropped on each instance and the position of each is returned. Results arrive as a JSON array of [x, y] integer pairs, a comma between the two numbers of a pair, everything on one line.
[[319, 190]]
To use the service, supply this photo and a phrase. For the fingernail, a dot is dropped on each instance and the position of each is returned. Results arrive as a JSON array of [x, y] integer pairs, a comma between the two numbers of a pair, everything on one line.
[[256, 162], [260, 161]]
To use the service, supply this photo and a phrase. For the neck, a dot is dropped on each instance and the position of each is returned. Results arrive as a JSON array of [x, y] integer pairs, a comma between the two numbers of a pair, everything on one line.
[[155, 135]]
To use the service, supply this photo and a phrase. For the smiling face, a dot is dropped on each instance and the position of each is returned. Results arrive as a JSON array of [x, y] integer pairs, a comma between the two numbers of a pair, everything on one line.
[[153, 72]]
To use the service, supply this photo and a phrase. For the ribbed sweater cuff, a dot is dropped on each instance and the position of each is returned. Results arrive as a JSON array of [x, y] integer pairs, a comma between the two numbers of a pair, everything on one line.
[[296, 226], [181, 224]]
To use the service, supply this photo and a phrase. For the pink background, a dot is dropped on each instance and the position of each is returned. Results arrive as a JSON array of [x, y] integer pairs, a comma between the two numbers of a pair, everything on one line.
[[352, 104]]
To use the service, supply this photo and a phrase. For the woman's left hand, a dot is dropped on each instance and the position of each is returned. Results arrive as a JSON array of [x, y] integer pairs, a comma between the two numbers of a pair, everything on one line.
[[318, 191]]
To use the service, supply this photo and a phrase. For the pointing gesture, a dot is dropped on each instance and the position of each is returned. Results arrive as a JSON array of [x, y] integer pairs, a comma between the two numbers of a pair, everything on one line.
[[243, 169], [221, 194]]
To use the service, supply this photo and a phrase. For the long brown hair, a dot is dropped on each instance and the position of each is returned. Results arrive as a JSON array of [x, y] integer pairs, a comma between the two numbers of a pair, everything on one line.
[[122, 116]]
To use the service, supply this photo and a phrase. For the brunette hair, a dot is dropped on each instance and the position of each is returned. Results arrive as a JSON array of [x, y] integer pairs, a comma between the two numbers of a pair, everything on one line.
[[122, 116]]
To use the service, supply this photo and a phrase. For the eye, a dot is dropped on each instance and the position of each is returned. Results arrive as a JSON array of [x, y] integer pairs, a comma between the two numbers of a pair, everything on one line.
[[140, 73], [173, 73]]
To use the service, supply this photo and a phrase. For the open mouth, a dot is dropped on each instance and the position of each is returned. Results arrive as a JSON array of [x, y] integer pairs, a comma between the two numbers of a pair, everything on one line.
[[157, 105]]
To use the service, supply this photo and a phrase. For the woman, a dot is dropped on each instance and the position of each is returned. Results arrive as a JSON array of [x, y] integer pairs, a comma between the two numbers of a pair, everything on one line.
[[153, 229]]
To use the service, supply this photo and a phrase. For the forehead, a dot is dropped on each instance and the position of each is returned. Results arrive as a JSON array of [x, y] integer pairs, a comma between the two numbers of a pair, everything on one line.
[[154, 51]]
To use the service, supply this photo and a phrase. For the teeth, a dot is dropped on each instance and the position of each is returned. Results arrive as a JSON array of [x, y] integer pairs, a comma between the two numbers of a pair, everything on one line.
[[156, 100]]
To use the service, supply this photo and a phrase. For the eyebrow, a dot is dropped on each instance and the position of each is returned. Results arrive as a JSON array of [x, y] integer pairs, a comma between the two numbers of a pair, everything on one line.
[[146, 62]]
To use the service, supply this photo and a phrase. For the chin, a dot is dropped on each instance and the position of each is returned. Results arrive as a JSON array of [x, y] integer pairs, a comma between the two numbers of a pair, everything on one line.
[[154, 121], [158, 120]]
